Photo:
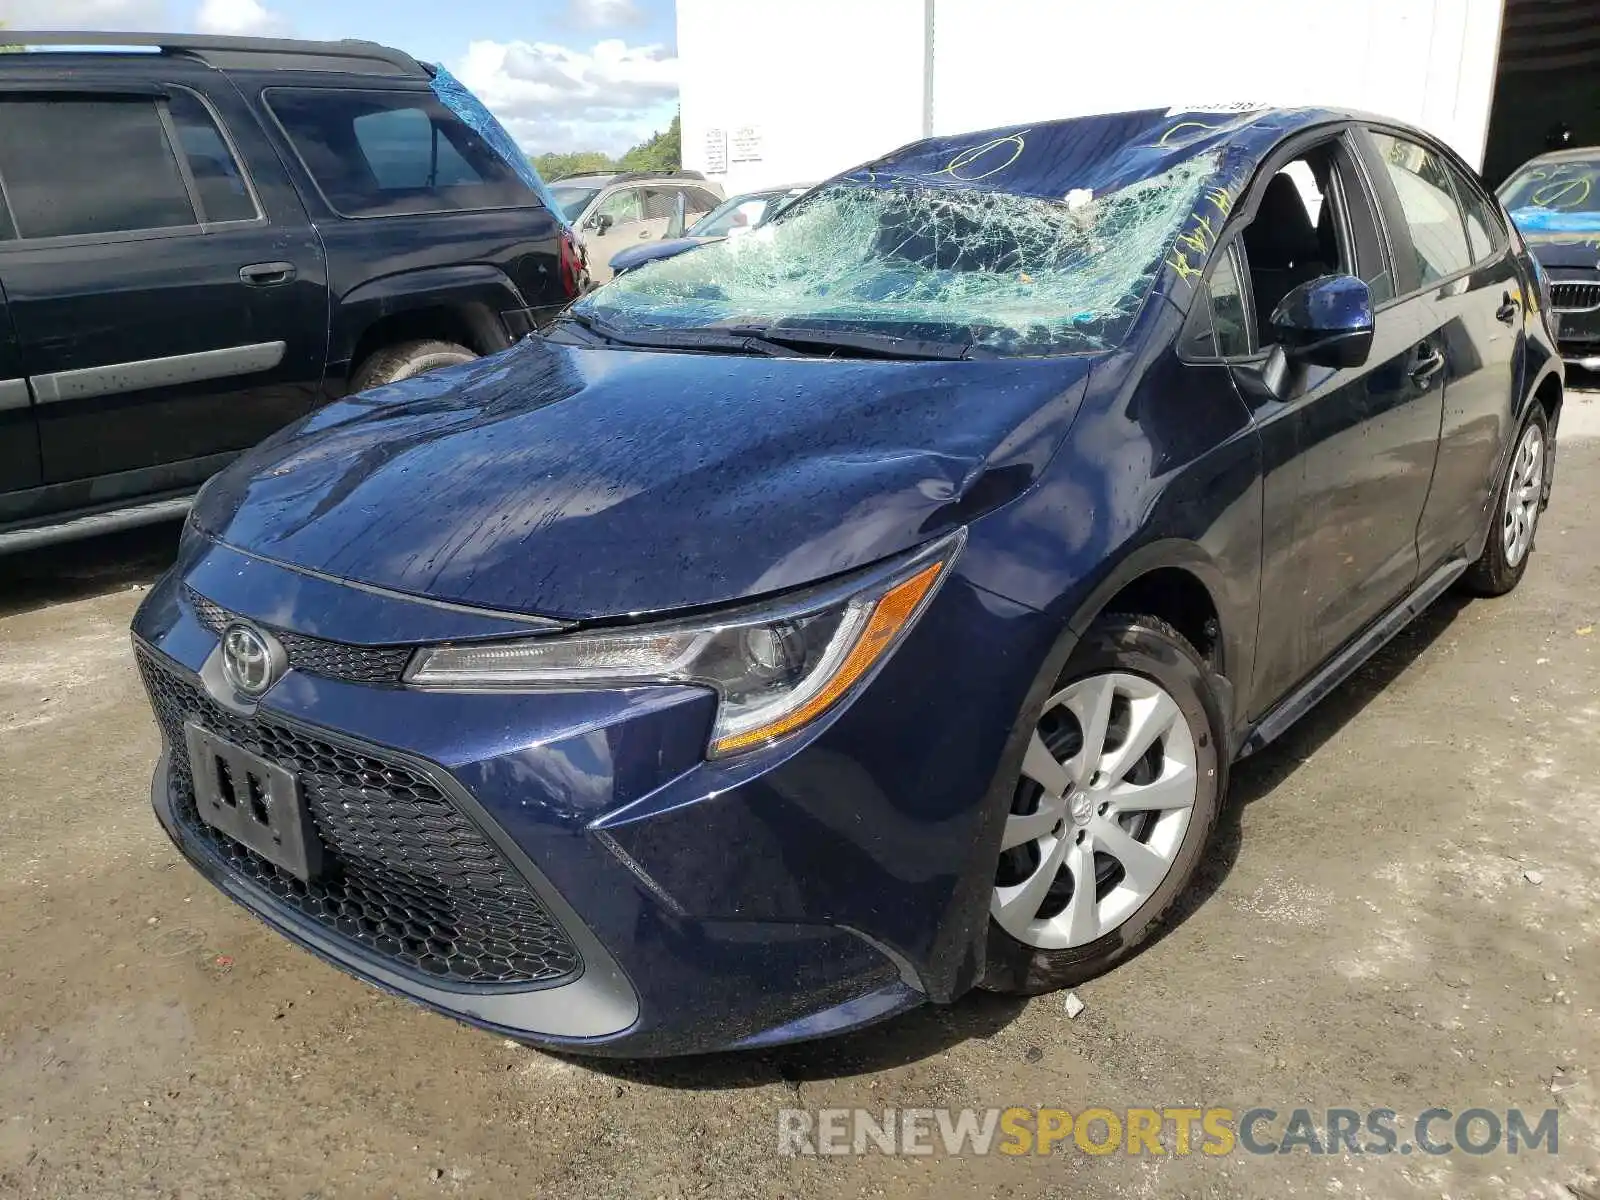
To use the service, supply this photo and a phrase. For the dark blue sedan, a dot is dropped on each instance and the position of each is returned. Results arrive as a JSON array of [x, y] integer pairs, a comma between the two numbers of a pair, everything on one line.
[[841, 617]]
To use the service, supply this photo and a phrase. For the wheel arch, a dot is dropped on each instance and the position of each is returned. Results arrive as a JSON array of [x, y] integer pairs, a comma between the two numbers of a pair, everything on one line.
[[1182, 583], [461, 304]]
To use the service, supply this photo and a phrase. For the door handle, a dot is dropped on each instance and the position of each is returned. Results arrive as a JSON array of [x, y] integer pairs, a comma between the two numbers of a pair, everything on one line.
[[1508, 310], [1429, 365], [266, 274], [644, 233]]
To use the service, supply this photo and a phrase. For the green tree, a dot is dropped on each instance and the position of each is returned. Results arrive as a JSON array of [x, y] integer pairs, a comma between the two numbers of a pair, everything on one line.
[[577, 162], [659, 152], [662, 151]]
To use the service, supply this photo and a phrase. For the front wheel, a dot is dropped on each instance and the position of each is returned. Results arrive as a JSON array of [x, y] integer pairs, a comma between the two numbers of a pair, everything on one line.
[[1120, 789], [1515, 515]]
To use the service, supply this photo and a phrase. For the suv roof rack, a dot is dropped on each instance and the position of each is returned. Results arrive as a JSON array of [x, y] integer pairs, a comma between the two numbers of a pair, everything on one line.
[[630, 176], [221, 52]]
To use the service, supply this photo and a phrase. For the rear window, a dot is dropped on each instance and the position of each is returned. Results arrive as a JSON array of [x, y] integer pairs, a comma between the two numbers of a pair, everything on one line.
[[380, 153]]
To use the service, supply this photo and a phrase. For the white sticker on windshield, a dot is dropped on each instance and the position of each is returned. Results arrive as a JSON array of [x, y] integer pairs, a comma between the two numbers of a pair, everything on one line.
[[1232, 106]]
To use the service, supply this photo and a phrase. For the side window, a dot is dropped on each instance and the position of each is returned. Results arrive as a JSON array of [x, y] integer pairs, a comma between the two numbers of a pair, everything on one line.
[[1437, 232], [1228, 315], [379, 153], [621, 206], [659, 203], [1218, 324], [1485, 233], [218, 183], [88, 166], [1312, 219], [701, 201]]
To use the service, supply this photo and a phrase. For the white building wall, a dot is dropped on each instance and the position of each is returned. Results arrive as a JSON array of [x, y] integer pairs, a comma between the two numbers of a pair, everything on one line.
[[829, 83], [824, 84], [1427, 62]]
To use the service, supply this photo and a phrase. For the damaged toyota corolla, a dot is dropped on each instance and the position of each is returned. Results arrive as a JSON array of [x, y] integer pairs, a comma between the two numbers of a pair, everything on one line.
[[832, 620]]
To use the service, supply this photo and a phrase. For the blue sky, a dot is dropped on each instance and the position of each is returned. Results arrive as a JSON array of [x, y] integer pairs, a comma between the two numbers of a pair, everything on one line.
[[562, 74]]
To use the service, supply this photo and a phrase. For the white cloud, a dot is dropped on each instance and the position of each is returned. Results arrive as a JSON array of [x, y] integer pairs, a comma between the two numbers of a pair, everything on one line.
[[603, 14], [553, 97], [121, 15], [241, 18]]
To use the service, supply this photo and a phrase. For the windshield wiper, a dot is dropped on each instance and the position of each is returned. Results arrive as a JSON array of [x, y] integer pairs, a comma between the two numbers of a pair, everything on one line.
[[853, 342]]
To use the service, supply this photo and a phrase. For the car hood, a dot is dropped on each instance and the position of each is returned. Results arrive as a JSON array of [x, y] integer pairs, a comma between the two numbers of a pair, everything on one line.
[[1563, 251], [584, 483]]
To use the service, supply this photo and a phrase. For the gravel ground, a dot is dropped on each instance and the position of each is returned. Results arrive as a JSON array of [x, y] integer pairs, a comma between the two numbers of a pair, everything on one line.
[[1368, 933]]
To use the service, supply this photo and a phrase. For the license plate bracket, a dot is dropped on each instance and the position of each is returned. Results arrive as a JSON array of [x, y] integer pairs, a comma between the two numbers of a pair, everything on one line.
[[257, 803]]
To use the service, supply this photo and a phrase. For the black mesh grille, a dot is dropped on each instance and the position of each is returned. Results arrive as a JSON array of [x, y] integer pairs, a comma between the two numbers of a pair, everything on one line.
[[410, 877], [335, 660], [1574, 297]]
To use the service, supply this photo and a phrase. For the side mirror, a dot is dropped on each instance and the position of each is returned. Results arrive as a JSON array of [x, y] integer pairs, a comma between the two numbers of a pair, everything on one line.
[[602, 222], [1326, 321], [680, 216]]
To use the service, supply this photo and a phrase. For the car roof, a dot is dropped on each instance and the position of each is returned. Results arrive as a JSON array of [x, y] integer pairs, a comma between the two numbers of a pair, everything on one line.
[[1572, 154], [223, 53]]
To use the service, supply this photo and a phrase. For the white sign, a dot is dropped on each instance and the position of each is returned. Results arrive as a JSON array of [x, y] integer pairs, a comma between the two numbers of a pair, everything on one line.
[[716, 151], [746, 144]]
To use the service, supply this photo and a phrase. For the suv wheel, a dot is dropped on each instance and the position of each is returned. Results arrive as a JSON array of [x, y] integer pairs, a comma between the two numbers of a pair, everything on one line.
[[405, 359], [1120, 790], [1516, 512]]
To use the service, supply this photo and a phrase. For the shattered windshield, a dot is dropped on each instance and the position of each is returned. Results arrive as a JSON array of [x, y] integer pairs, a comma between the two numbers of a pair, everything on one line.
[[1009, 270]]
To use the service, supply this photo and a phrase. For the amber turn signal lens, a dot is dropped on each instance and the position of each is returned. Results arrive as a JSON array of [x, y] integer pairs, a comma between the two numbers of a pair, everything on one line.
[[889, 616]]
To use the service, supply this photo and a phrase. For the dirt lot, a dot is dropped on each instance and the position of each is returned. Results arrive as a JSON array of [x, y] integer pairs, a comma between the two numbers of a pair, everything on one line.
[[1369, 933]]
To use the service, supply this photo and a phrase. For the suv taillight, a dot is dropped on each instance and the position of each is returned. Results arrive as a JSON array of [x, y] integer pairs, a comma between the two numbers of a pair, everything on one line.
[[574, 270]]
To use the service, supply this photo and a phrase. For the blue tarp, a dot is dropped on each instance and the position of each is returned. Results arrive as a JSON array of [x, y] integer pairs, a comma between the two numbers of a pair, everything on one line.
[[453, 94]]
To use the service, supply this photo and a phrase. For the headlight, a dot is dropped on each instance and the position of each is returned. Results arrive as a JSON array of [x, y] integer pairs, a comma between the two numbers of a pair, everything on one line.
[[775, 667]]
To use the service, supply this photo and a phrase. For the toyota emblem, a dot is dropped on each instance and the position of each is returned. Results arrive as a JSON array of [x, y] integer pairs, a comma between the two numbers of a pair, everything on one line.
[[251, 661]]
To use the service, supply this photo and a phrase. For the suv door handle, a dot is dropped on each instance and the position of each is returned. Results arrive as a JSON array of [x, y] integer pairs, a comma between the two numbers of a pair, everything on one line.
[[266, 274], [1427, 366], [1508, 310]]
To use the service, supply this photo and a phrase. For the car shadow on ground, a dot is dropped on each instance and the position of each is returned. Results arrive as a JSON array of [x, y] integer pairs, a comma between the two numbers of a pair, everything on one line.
[[93, 566], [979, 1015]]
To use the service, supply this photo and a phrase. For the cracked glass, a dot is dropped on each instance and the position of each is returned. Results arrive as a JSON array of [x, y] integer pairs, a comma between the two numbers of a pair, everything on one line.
[[1012, 273]]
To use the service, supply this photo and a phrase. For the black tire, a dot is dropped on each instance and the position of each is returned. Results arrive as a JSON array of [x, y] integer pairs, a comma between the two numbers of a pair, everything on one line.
[[405, 359], [1147, 646], [1492, 575]]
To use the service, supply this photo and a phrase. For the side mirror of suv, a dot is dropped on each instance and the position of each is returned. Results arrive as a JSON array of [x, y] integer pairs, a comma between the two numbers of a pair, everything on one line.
[[1326, 321], [601, 222]]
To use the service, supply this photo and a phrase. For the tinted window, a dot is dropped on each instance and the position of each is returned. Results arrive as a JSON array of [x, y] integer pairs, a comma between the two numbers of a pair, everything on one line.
[[1437, 232], [1199, 339], [1485, 233], [89, 166], [1217, 323], [378, 153], [218, 182], [1227, 307]]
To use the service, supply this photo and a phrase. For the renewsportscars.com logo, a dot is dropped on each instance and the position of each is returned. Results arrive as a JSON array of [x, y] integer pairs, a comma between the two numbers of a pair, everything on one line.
[[1164, 1131]]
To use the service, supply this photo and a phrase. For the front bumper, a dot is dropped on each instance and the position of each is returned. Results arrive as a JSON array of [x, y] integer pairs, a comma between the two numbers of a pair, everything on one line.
[[795, 892]]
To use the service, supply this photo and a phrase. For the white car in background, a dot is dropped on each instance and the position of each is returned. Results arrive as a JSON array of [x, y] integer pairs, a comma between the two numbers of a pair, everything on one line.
[[615, 212]]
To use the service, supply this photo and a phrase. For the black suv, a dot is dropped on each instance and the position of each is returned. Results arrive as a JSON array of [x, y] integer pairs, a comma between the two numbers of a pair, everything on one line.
[[204, 238]]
